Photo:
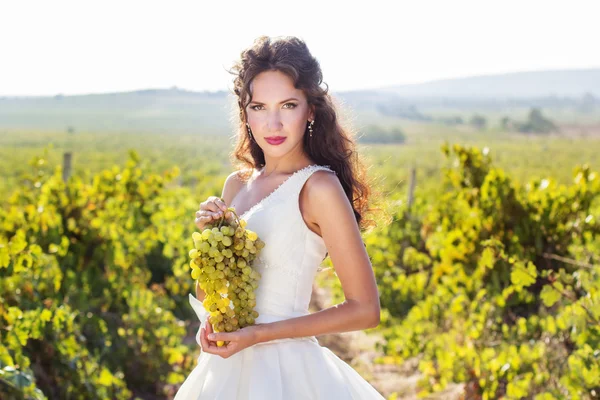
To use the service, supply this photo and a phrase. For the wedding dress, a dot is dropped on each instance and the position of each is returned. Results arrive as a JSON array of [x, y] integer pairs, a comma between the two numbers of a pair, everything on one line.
[[282, 369]]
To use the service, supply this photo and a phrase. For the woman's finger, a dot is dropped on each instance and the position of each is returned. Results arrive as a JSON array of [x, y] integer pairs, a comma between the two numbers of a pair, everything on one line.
[[203, 342], [208, 215], [221, 204], [213, 212], [209, 330], [207, 345], [202, 221], [203, 218], [210, 205]]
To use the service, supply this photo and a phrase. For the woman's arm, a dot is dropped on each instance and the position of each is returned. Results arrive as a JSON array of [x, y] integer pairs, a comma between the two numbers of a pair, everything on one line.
[[327, 205]]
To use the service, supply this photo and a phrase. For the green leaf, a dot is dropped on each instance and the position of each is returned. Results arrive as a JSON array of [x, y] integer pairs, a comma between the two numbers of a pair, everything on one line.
[[18, 243], [487, 258], [105, 378], [46, 315], [4, 257], [523, 276], [549, 295]]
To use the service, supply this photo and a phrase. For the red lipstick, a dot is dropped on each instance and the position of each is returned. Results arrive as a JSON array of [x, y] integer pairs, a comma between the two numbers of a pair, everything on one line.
[[275, 140]]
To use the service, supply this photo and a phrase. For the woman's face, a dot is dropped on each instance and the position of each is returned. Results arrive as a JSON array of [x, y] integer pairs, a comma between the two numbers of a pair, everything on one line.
[[277, 114]]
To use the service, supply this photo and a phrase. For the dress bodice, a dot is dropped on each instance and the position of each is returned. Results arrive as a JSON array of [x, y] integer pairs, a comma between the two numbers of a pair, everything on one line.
[[292, 254]]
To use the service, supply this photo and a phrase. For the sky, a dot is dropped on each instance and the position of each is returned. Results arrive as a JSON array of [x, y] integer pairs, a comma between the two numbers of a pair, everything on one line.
[[80, 47]]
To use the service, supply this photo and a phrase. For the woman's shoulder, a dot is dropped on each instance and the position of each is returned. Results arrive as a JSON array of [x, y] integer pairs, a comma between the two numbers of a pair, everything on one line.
[[322, 181], [233, 184], [240, 176], [323, 195]]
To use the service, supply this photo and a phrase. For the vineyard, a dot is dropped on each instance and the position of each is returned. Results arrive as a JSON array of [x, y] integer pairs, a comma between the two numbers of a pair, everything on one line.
[[496, 284], [490, 276]]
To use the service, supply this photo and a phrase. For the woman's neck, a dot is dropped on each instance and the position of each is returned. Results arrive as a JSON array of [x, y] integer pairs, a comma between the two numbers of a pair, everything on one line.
[[285, 167]]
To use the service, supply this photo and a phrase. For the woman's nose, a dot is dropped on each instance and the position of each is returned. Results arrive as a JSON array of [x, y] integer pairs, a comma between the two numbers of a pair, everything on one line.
[[274, 121]]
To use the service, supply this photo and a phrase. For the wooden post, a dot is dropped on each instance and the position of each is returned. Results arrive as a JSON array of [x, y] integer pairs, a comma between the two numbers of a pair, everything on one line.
[[66, 166], [407, 212], [411, 187]]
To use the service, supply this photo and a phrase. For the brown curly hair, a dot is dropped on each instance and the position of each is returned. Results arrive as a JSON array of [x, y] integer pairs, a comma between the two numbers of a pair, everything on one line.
[[331, 144]]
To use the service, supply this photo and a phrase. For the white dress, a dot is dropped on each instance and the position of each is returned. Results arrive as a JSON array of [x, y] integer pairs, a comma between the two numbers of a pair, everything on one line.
[[291, 368]]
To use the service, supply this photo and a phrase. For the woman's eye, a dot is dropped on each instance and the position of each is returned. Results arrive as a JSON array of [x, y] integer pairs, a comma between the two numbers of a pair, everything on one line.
[[292, 105]]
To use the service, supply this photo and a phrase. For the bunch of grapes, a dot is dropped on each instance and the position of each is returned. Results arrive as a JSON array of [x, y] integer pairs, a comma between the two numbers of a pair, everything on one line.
[[221, 261]]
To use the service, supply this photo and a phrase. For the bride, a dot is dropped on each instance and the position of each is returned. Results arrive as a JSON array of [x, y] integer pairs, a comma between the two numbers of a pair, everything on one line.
[[301, 188]]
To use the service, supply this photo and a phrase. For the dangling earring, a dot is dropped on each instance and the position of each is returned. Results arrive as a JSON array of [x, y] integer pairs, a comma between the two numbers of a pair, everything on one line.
[[310, 126], [249, 133]]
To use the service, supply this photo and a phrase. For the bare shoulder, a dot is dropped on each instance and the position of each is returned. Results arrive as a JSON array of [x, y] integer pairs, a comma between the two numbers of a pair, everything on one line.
[[233, 183], [323, 183], [323, 194]]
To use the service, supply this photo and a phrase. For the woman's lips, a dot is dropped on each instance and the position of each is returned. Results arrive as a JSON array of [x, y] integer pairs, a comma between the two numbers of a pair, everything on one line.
[[275, 140]]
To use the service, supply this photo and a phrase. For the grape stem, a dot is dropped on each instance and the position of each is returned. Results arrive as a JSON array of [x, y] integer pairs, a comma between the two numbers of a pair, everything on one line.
[[232, 209]]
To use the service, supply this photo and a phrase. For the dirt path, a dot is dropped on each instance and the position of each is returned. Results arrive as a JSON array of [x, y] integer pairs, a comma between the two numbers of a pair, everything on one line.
[[359, 350]]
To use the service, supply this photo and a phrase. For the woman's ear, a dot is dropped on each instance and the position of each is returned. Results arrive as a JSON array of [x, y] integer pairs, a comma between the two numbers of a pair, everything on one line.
[[311, 113]]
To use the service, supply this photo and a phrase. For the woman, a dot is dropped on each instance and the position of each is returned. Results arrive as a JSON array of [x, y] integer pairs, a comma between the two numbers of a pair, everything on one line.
[[303, 196]]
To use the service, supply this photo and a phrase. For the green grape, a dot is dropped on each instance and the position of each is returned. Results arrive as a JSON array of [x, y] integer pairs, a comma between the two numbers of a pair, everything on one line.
[[204, 247]]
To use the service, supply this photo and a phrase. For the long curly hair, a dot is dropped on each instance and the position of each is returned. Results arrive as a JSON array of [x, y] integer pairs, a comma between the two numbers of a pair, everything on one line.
[[331, 144]]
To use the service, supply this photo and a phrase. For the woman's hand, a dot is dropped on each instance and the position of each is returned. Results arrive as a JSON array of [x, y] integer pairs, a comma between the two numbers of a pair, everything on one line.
[[238, 340], [211, 209]]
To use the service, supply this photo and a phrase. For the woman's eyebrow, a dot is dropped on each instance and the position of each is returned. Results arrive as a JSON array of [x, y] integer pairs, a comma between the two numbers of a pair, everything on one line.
[[281, 102]]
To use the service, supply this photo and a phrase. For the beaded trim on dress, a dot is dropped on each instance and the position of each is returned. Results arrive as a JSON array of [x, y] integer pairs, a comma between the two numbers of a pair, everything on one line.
[[281, 189], [268, 198]]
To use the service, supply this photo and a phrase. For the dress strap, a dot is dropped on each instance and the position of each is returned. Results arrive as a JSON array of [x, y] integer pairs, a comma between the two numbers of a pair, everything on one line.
[[306, 173]]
